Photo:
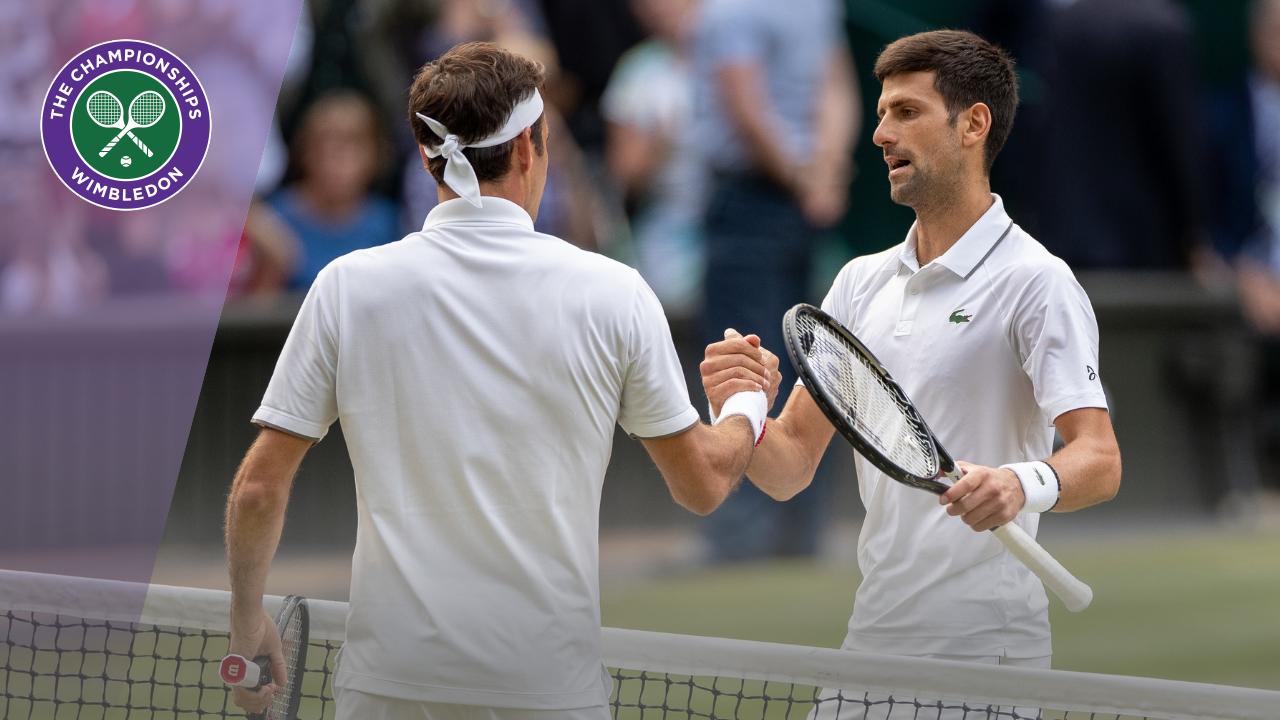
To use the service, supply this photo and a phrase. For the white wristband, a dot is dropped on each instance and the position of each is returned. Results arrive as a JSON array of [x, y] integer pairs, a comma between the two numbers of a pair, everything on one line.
[[1040, 484], [750, 404]]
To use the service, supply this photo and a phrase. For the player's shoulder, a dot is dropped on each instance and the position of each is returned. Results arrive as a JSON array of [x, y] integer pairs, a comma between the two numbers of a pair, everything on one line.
[[1022, 267], [371, 259], [1024, 259]]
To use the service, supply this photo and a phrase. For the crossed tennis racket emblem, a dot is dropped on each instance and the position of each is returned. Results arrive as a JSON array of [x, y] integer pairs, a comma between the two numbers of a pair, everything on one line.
[[107, 111]]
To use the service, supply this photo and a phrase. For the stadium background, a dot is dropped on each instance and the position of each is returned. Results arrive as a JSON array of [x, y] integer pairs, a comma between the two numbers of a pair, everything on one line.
[[1183, 562]]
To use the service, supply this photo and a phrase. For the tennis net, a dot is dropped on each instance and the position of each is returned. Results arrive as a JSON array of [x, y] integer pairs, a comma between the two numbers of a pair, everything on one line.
[[74, 648]]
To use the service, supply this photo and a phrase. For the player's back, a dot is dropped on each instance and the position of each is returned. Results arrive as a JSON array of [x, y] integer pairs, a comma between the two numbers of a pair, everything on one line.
[[481, 368]]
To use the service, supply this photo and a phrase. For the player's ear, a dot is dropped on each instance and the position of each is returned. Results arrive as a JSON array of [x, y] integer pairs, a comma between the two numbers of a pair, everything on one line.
[[976, 124], [524, 150], [422, 153]]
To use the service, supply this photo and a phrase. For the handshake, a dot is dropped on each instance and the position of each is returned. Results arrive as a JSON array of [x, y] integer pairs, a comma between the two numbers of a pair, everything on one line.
[[740, 378]]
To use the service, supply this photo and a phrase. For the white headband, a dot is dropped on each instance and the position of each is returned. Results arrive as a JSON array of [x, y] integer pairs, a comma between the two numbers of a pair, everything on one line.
[[458, 173]]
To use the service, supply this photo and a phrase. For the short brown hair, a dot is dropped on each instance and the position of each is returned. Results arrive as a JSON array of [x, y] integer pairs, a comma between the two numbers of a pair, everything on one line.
[[471, 90], [968, 70]]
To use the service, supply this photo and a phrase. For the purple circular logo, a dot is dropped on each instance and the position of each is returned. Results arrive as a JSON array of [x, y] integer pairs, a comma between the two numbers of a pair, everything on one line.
[[125, 125]]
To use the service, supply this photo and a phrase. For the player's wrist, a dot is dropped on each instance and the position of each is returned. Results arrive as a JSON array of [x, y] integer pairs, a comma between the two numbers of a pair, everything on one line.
[[752, 405], [1040, 485]]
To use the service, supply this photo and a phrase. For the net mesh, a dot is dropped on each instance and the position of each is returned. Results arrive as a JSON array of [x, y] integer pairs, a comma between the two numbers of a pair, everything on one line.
[[850, 381], [146, 109], [59, 665], [104, 108]]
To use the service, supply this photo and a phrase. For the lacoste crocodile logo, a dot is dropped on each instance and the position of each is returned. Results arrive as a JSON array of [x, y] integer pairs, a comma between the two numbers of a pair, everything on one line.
[[958, 317]]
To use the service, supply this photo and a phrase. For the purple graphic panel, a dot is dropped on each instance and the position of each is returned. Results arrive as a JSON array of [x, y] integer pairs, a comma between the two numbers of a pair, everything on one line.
[[107, 317]]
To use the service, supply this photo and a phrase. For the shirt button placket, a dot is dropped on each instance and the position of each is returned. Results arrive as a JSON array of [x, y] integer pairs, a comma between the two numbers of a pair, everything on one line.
[[910, 304]]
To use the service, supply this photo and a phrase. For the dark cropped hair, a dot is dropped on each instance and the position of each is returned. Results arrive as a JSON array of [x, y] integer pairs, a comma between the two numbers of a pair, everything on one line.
[[968, 70], [471, 90]]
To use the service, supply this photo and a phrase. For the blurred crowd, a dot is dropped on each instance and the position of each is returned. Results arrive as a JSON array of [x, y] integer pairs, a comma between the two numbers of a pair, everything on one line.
[[1120, 157], [710, 143]]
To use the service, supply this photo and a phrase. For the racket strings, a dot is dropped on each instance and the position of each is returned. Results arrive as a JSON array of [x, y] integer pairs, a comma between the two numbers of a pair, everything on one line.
[[881, 415], [292, 643], [105, 109], [146, 109]]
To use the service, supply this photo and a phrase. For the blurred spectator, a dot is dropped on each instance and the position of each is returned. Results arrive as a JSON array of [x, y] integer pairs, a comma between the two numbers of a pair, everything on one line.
[[1244, 162], [1119, 185], [337, 153], [775, 110], [652, 155], [26, 50], [589, 36], [50, 269], [266, 255]]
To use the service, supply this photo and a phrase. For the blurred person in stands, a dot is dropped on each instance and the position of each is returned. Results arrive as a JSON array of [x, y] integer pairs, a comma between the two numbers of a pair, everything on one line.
[[48, 272], [775, 116], [652, 156], [1244, 164], [1120, 191], [266, 256], [337, 153]]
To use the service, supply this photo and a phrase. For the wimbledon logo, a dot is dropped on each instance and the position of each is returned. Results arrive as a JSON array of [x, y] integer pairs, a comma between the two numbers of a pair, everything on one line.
[[125, 125]]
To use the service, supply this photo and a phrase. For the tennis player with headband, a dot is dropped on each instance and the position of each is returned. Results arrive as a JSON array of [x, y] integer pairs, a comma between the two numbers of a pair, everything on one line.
[[996, 344], [478, 368]]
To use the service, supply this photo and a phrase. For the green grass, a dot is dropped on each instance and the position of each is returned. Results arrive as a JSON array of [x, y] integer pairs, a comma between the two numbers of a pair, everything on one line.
[[1198, 607]]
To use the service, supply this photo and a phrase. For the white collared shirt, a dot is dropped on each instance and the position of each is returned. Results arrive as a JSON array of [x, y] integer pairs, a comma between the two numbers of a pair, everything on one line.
[[992, 341], [478, 368]]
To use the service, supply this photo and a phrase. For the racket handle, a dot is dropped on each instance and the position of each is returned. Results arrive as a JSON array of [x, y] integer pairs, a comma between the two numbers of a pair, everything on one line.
[[1075, 595], [141, 145], [103, 152], [238, 671]]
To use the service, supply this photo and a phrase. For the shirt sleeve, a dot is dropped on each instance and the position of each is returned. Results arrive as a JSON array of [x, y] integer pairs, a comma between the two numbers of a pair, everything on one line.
[[733, 35], [1057, 337], [625, 101], [655, 399], [301, 398]]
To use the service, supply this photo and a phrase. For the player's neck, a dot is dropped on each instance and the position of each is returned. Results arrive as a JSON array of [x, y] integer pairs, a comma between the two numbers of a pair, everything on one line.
[[510, 189], [940, 225]]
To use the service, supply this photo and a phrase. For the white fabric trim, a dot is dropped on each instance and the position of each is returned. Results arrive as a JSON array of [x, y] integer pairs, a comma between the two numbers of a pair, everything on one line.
[[458, 173], [128, 602], [1040, 484]]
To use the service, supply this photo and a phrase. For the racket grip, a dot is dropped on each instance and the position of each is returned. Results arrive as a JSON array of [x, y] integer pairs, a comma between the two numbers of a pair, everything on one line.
[[103, 152], [1075, 595], [141, 145]]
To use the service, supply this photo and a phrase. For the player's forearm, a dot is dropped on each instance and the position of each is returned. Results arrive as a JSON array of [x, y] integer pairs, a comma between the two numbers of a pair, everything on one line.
[[1089, 470], [254, 522], [726, 451], [781, 466]]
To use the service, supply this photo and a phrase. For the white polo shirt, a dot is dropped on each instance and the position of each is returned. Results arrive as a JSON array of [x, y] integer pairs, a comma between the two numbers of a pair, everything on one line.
[[991, 341], [478, 368]]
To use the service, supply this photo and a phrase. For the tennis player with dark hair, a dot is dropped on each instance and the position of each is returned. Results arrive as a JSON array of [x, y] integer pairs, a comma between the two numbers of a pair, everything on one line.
[[996, 344], [478, 368]]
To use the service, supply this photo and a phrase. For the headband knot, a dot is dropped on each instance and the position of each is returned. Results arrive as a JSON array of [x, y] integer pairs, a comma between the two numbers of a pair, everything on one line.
[[458, 173], [450, 145]]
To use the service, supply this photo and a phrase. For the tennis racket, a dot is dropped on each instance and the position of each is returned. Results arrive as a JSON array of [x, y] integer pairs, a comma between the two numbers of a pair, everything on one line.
[[145, 110], [293, 623], [872, 412], [105, 110]]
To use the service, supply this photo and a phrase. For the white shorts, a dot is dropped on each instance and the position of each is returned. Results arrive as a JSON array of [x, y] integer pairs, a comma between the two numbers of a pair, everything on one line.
[[873, 706], [355, 705]]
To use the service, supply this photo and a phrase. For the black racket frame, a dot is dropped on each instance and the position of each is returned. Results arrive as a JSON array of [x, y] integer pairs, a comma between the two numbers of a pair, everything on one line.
[[797, 348]]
